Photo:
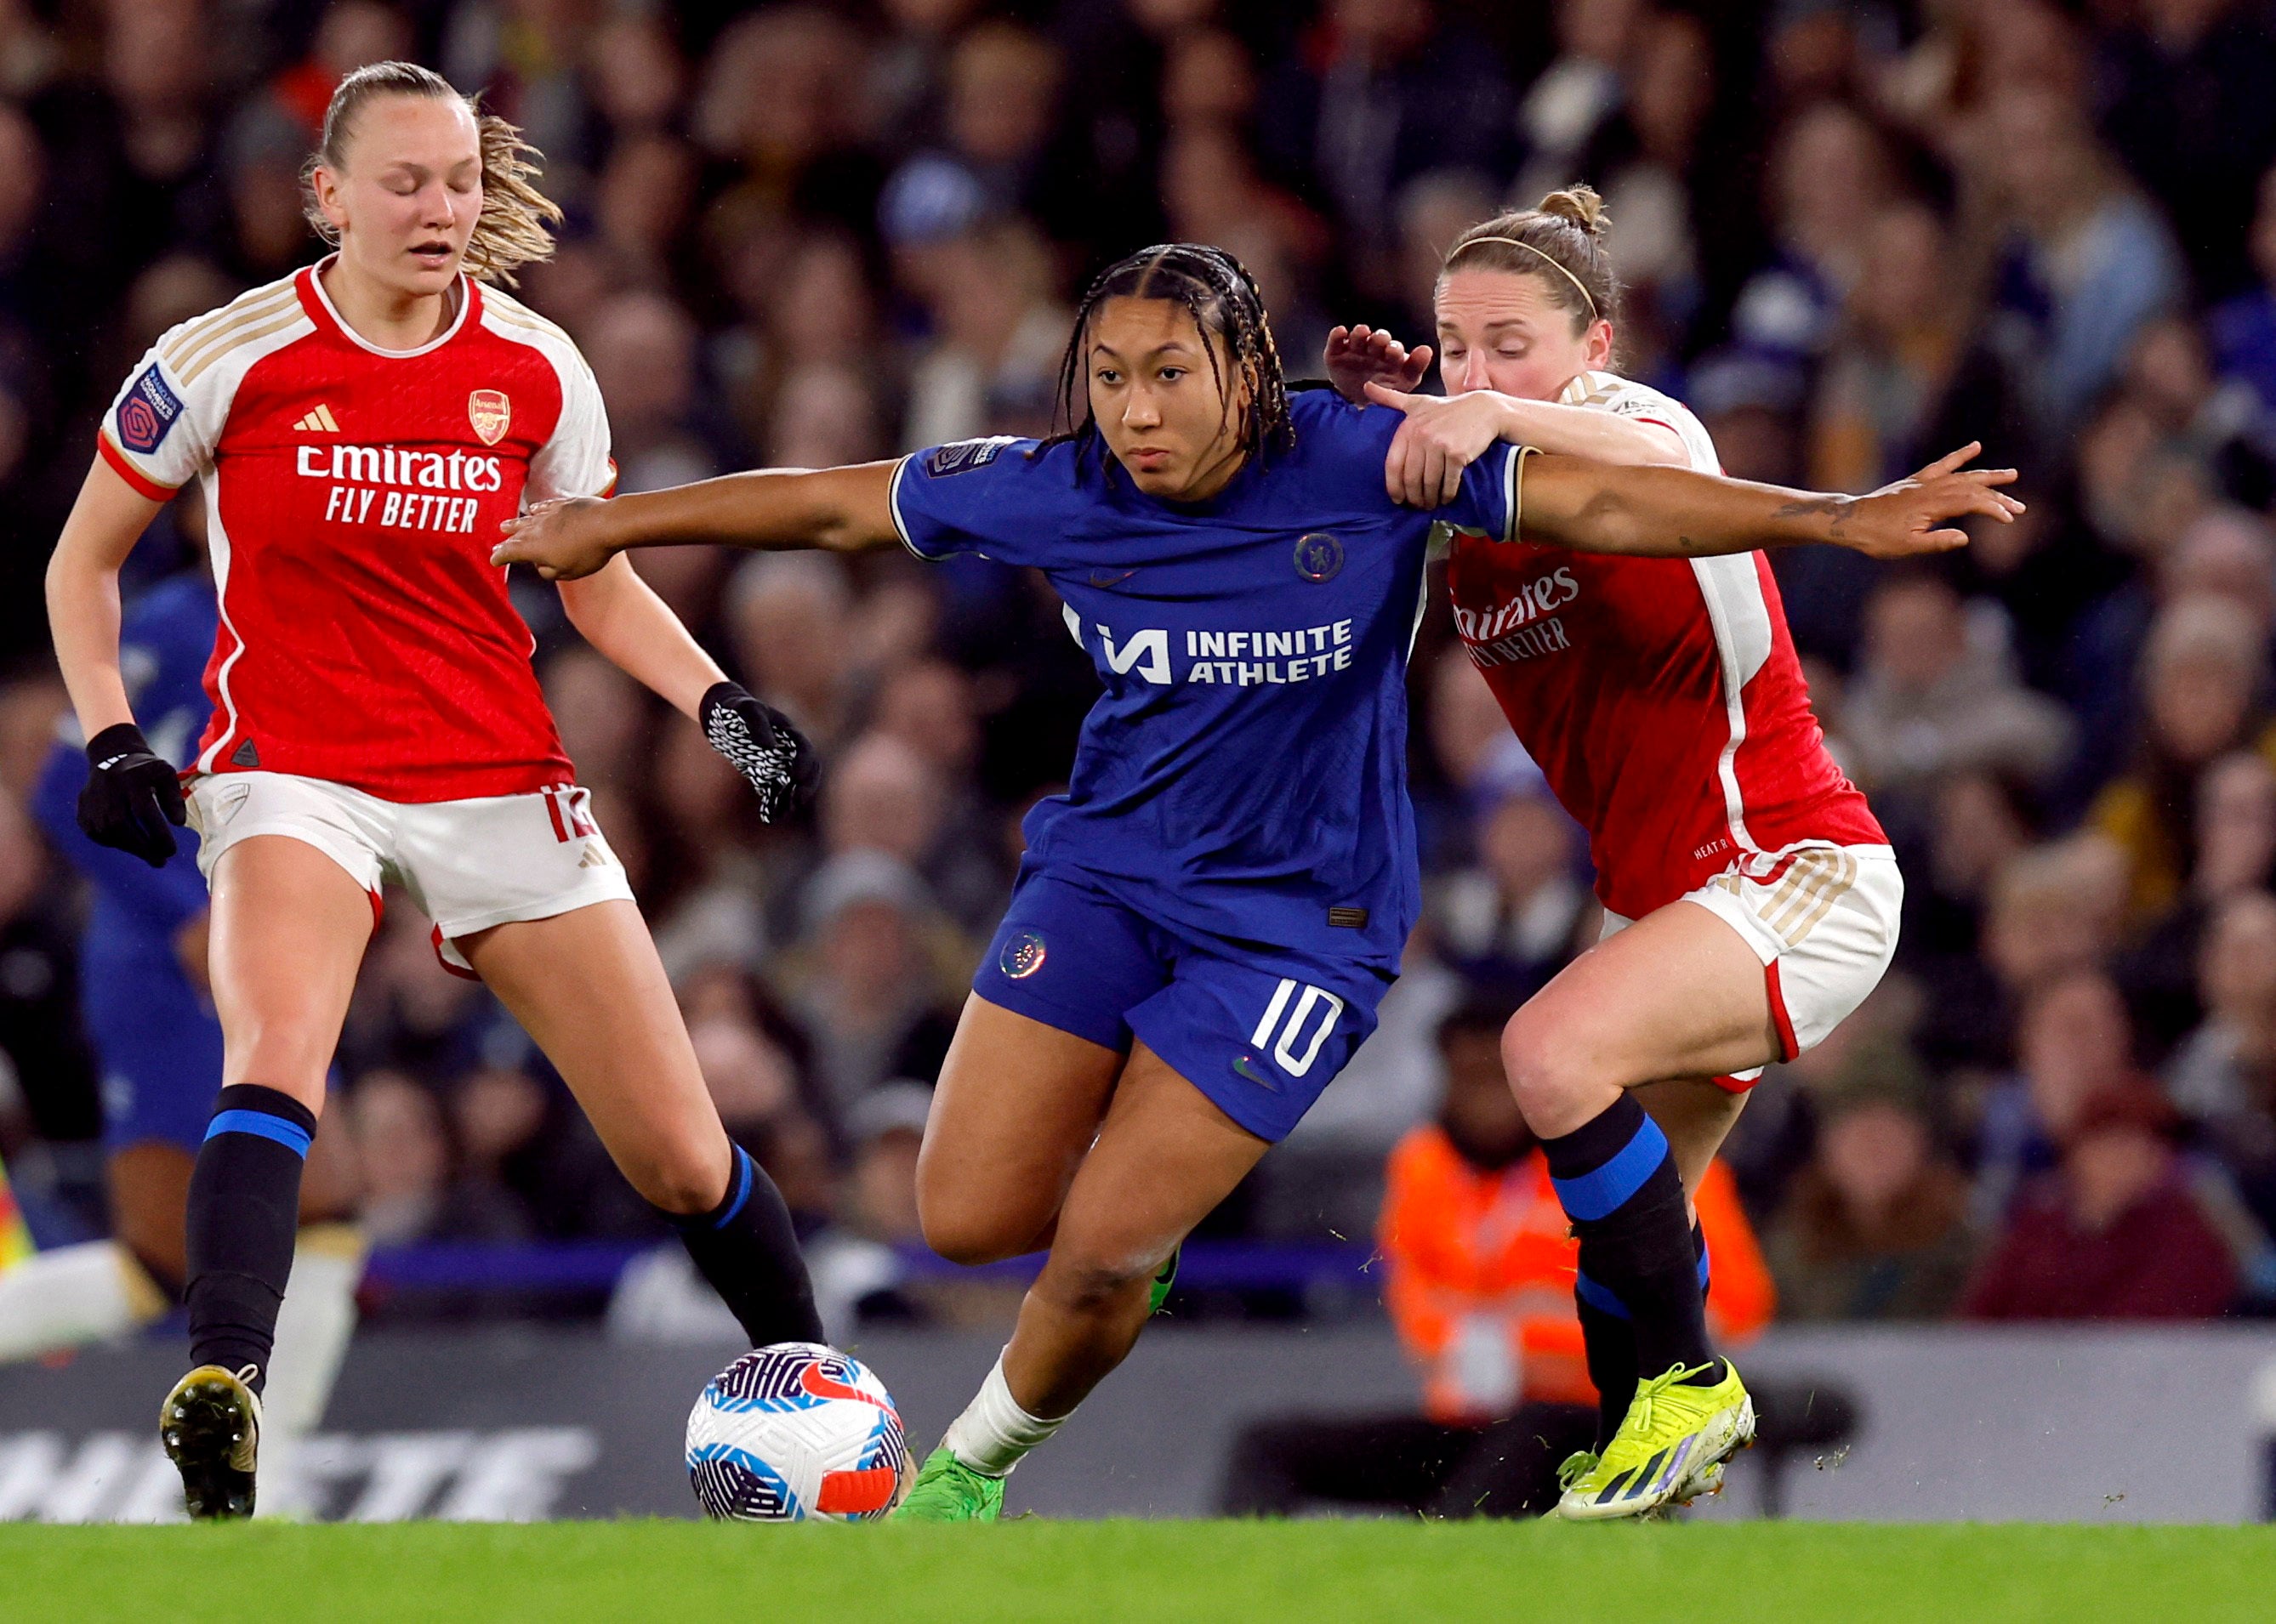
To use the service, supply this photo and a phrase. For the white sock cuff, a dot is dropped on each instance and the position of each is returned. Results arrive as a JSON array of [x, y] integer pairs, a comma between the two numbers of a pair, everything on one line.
[[994, 1432]]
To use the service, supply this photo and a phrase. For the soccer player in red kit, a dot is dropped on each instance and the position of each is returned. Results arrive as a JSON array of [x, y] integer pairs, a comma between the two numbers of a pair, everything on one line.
[[1751, 900], [362, 428]]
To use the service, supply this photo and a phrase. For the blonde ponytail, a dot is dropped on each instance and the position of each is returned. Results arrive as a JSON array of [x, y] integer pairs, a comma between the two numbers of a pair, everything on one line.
[[517, 221]]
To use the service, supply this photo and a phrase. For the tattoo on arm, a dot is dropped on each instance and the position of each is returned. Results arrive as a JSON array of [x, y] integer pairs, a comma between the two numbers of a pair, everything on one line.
[[1838, 506]]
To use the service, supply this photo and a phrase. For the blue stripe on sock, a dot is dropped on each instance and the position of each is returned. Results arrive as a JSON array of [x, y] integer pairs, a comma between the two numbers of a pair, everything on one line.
[[1611, 1186], [1598, 1297], [292, 1135], [1703, 1271], [743, 1170]]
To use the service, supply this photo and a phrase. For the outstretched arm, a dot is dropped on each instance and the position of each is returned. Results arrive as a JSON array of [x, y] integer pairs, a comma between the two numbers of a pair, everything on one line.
[[1441, 437], [1675, 513], [842, 510]]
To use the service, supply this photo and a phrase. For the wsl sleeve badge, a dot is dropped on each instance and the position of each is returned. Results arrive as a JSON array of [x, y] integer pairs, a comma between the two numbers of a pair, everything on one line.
[[797, 1432], [963, 455], [146, 414]]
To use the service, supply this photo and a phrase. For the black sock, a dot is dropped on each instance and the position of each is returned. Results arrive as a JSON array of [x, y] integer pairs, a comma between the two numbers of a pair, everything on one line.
[[1609, 1342], [243, 1213], [1618, 1183], [746, 1248]]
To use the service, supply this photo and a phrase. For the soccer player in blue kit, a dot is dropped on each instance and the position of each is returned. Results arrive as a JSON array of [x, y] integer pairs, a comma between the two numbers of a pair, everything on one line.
[[1206, 920]]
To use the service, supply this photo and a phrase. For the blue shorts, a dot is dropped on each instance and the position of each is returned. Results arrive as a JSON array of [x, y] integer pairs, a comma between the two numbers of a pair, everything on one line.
[[158, 1045], [1261, 1031]]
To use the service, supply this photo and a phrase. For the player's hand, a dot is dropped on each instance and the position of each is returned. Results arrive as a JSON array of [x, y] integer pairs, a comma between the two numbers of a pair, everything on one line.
[[1914, 516], [764, 746], [562, 537], [1441, 436], [1358, 356], [132, 794]]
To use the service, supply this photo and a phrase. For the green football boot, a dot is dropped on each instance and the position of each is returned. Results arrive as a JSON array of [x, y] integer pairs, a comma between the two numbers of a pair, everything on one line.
[[1670, 1449], [210, 1424], [948, 1491], [1164, 1277]]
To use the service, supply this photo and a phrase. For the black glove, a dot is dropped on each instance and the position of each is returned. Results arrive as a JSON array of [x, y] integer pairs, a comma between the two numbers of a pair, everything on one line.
[[764, 746], [132, 794]]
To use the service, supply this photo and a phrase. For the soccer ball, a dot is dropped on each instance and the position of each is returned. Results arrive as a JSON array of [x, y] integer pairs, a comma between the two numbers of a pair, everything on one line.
[[797, 1431]]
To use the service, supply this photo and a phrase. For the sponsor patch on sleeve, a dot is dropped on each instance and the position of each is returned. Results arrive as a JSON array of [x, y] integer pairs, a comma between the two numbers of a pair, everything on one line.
[[963, 455], [147, 415]]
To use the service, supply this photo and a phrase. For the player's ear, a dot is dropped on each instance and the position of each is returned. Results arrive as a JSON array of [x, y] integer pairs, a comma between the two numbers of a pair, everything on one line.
[[330, 198]]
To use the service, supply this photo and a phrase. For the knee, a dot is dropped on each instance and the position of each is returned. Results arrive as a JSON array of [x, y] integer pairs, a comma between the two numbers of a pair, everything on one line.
[[970, 1224], [965, 1235], [1543, 1072]]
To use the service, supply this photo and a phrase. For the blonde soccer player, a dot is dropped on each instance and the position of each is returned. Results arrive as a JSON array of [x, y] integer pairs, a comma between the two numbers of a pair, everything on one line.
[[362, 428]]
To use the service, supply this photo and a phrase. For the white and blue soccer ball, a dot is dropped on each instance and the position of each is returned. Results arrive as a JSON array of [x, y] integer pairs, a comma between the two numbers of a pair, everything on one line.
[[794, 1433]]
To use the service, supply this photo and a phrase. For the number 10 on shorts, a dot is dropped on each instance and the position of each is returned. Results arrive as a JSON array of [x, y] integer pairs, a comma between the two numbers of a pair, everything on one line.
[[1291, 1030]]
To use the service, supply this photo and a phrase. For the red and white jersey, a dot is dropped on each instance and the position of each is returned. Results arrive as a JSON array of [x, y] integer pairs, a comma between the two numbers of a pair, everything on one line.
[[1660, 697], [352, 498]]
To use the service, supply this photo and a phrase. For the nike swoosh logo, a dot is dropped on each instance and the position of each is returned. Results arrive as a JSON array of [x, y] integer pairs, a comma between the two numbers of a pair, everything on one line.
[[1102, 579], [1247, 1068], [818, 1386]]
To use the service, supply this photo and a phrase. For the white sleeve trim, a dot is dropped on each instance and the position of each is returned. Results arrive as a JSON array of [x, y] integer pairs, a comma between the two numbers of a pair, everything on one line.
[[893, 501], [1515, 483]]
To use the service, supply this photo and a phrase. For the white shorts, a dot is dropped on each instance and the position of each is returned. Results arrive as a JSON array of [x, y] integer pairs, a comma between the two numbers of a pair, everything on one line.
[[1825, 925], [466, 865]]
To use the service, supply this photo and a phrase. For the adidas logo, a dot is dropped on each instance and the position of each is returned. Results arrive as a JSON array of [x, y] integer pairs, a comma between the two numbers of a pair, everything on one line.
[[320, 421], [594, 858]]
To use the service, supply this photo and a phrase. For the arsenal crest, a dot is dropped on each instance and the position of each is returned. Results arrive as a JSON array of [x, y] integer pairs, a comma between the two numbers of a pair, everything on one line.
[[489, 411]]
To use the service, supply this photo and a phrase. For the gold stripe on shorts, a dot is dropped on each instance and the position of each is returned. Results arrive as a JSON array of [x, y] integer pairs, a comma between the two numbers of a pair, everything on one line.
[[1817, 878]]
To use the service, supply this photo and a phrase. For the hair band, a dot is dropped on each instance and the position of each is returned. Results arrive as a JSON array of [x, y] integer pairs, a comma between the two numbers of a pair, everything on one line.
[[1578, 286]]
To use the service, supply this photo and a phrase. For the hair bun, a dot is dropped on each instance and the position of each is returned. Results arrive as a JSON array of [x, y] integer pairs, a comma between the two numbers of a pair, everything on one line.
[[1579, 204]]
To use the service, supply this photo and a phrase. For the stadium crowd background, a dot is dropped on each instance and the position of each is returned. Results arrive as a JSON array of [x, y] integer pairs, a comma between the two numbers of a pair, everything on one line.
[[1855, 235]]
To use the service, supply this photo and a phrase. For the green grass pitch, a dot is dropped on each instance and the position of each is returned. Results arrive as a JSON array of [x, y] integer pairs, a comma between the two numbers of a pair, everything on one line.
[[1318, 1572]]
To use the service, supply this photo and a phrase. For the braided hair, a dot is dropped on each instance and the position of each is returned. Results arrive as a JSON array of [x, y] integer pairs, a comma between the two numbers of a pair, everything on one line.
[[1220, 295]]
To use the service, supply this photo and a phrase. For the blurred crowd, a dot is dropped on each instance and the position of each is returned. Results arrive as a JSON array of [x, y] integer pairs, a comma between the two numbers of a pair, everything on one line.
[[1854, 236]]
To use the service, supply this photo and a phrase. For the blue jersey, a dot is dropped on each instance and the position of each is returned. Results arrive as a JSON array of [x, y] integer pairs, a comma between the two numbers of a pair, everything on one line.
[[1244, 774], [156, 1038]]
